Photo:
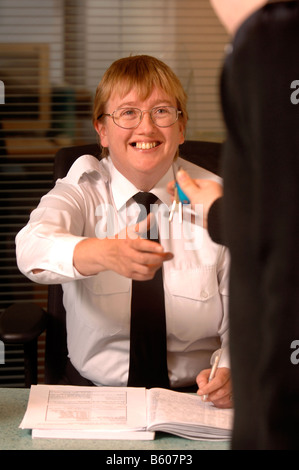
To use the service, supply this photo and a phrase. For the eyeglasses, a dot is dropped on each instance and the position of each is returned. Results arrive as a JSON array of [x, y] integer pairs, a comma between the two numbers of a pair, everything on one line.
[[129, 118]]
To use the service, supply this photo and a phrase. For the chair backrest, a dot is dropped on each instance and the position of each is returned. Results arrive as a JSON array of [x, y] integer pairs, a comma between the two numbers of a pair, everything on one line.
[[205, 154]]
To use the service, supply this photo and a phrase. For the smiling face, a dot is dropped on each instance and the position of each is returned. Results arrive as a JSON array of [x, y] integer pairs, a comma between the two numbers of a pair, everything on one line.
[[144, 154]]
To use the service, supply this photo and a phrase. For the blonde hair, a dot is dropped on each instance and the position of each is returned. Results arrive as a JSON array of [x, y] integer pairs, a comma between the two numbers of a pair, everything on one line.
[[143, 73]]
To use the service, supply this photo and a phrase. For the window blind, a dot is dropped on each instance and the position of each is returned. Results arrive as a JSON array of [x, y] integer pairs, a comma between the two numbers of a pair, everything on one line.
[[52, 55], [186, 35]]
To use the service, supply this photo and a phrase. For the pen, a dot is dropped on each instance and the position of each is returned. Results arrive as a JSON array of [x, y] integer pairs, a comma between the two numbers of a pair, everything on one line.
[[214, 363]]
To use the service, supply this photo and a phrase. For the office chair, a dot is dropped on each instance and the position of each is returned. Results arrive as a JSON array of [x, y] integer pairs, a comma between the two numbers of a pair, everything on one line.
[[22, 323]]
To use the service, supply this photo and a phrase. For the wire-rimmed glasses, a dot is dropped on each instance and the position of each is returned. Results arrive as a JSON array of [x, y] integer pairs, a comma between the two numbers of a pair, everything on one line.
[[129, 118]]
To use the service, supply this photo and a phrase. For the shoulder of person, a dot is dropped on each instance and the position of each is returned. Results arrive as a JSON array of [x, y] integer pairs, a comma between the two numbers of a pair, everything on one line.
[[88, 166], [267, 22]]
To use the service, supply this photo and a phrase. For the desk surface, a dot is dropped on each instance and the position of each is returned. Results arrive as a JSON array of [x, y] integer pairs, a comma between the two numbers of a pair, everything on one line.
[[13, 403]]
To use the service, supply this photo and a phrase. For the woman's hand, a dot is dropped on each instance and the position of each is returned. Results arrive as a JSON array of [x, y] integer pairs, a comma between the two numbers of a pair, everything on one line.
[[127, 254], [219, 390]]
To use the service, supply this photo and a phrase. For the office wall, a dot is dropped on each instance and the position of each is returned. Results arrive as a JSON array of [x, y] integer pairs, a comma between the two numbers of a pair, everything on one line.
[[34, 21], [85, 37], [186, 35]]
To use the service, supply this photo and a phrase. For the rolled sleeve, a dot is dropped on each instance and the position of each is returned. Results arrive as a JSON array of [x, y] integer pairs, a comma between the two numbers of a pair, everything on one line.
[[52, 255], [48, 241]]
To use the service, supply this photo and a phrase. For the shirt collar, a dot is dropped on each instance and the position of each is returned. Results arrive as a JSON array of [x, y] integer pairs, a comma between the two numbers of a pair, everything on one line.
[[123, 190]]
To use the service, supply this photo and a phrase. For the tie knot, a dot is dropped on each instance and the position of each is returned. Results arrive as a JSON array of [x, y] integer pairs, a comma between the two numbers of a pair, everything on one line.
[[145, 199]]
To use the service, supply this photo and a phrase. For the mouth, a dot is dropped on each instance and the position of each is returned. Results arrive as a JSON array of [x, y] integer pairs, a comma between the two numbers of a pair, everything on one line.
[[145, 145]]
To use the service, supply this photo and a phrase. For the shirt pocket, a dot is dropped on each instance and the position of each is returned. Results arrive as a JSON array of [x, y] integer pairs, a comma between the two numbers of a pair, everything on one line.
[[195, 308], [106, 303], [107, 283], [197, 284]]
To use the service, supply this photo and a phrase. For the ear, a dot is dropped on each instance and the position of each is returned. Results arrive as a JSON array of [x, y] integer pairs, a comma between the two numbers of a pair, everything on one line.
[[182, 133], [102, 133]]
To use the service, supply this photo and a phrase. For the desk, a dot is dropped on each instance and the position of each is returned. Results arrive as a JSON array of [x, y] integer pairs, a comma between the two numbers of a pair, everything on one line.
[[13, 403]]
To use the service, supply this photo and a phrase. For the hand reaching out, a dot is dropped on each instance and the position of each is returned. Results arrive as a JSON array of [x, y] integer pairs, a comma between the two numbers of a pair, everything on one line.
[[127, 254]]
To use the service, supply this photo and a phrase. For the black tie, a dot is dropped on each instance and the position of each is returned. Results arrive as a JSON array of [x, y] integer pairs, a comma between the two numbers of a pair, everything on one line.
[[148, 348]]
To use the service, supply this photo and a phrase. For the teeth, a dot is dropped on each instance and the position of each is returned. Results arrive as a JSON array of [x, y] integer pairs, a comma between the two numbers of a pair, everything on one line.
[[146, 145]]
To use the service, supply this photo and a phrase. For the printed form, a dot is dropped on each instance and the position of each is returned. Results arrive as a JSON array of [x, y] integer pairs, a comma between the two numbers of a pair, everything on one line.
[[86, 408]]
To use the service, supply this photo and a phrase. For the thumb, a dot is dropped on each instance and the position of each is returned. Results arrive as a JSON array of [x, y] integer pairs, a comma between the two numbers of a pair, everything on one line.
[[186, 183], [145, 225]]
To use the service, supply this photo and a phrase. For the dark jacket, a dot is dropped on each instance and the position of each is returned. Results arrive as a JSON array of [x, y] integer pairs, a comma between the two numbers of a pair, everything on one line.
[[261, 225]]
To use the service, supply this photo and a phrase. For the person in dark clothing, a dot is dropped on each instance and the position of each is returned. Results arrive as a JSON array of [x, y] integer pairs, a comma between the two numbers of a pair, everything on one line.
[[259, 209]]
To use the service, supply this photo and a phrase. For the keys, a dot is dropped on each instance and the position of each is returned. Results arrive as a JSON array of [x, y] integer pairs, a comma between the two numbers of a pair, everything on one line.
[[180, 198], [176, 204]]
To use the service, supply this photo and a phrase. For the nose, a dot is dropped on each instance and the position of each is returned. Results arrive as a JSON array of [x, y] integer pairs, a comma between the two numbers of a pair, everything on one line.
[[146, 122]]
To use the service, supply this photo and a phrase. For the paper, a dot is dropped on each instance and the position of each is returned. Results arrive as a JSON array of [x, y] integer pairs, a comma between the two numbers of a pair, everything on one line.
[[54, 407], [187, 415], [122, 413]]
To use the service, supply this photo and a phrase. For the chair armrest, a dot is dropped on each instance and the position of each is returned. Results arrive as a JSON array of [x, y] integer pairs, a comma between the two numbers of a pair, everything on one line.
[[21, 323]]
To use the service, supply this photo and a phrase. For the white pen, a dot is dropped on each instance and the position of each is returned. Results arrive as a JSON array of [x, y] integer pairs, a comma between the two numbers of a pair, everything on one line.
[[214, 363]]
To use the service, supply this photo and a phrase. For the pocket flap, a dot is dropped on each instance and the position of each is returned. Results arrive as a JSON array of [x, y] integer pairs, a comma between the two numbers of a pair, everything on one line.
[[107, 282], [198, 283]]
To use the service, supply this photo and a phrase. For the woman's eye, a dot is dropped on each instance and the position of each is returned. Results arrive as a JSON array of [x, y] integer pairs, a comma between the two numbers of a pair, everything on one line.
[[161, 111], [129, 113]]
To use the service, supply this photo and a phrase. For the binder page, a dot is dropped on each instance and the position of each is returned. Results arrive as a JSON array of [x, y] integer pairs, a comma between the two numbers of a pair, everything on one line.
[[187, 415], [70, 407]]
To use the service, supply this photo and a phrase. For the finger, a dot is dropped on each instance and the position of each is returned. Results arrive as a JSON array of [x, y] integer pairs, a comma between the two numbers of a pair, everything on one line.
[[146, 225], [186, 183], [143, 246], [224, 402], [214, 390], [170, 188], [220, 382], [135, 231], [203, 378], [151, 259], [137, 276], [144, 272], [222, 398], [220, 392]]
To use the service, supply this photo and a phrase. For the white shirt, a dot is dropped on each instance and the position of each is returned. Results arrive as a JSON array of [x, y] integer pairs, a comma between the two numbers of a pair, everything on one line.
[[83, 204]]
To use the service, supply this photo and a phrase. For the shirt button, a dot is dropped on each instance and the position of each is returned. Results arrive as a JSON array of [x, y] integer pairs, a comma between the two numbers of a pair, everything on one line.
[[204, 294]]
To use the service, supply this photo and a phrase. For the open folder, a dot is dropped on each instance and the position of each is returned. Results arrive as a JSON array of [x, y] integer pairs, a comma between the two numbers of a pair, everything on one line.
[[122, 413]]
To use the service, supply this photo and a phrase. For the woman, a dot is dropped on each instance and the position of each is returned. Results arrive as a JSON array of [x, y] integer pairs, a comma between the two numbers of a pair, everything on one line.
[[84, 235]]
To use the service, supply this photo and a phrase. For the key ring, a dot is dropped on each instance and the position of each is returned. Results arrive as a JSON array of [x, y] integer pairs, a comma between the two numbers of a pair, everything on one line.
[[180, 198]]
